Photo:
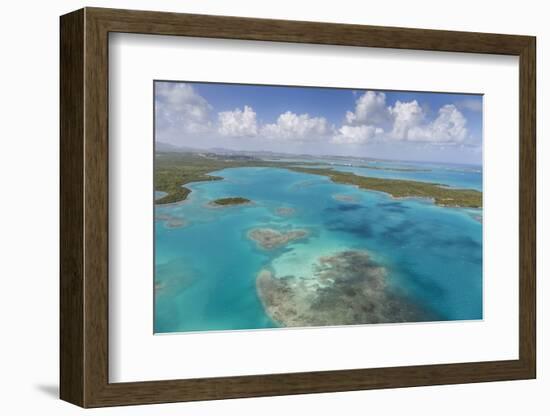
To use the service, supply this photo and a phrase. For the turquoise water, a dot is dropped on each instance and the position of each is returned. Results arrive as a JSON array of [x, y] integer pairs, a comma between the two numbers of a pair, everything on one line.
[[456, 176], [453, 175], [206, 266]]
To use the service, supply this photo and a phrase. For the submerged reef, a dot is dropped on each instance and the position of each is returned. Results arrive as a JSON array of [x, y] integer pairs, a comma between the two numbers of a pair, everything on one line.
[[345, 288], [171, 221], [174, 276], [285, 211], [268, 238], [477, 217], [176, 223], [345, 198]]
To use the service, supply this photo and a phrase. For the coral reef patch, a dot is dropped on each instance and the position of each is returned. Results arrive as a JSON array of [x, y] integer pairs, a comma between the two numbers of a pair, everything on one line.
[[285, 211], [345, 198], [171, 221], [268, 238], [345, 288]]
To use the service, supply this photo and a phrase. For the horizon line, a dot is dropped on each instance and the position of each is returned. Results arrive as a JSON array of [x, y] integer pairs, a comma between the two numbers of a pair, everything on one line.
[[180, 149]]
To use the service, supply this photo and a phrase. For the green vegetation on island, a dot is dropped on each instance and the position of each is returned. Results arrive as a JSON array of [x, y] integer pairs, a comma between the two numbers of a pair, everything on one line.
[[174, 170], [231, 201], [398, 188], [394, 169], [372, 167]]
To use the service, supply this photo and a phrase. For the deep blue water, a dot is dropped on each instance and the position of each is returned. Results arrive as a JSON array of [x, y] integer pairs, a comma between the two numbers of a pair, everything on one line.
[[206, 267]]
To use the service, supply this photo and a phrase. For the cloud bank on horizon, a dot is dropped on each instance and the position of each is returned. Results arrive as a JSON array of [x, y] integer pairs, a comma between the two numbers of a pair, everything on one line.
[[386, 124]]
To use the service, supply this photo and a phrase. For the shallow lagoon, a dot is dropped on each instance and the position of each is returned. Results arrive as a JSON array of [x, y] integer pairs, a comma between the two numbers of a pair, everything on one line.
[[206, 268]]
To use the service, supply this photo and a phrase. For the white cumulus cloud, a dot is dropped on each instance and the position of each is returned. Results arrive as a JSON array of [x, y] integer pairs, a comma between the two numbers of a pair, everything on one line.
[[406, 116], [184, 115], [370, 109], [291, 126], [238, 123], [373, 120], [448, 127], [179, 109], [356, 134]]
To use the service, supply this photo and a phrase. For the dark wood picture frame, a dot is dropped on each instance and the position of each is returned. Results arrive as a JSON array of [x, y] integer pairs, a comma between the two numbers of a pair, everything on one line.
[[84, 207]]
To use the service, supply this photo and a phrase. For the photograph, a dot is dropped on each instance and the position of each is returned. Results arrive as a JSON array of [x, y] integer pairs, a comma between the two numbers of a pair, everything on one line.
[[299, 206], [276, 202]]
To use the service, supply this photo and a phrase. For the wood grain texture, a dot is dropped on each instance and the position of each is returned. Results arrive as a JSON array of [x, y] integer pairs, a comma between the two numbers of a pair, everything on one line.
[[96, 208], [71, 208], [84, 207], [225, 27], [527, 208]]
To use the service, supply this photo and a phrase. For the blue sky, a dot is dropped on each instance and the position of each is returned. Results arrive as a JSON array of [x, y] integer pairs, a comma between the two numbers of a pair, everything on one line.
[[373, 123]]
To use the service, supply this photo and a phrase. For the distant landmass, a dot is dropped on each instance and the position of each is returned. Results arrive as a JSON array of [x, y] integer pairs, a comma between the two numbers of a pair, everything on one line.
[[163, 147], [167, 147]]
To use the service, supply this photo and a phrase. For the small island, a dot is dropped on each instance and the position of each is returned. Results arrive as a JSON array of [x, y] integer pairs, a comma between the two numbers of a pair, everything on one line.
[[231, 201]]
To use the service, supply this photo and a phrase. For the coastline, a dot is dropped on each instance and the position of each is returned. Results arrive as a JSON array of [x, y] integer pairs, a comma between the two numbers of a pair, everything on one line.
[[373, 224], [396, 188], [437, 192]]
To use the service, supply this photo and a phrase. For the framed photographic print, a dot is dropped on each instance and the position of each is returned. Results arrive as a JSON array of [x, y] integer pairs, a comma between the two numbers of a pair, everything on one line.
[[255, 207]]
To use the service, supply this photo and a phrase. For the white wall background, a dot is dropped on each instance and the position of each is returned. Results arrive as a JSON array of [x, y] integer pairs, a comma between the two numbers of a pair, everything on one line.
[[29, 209]]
